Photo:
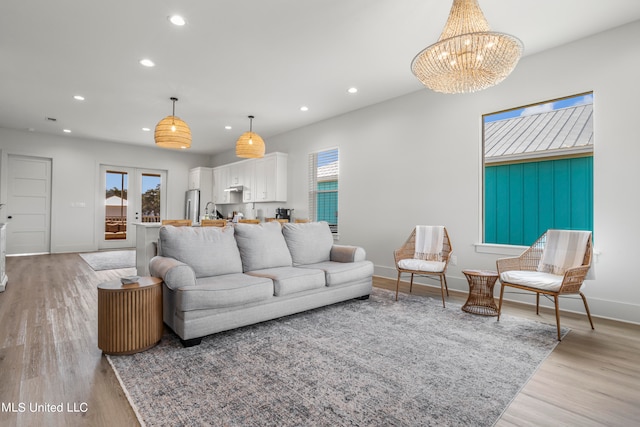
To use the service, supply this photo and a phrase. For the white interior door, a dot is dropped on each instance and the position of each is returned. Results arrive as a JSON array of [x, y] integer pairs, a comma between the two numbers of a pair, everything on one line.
[[28, 205], [129, 195]]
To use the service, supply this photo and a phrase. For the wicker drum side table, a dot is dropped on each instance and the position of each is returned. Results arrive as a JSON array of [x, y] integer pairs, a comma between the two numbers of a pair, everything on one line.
[[480, 300], [129, 316]]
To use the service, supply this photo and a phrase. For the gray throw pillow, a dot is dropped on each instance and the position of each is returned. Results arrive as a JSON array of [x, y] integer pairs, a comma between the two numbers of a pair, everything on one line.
[[210, 251], [309, 243], [262, 246]]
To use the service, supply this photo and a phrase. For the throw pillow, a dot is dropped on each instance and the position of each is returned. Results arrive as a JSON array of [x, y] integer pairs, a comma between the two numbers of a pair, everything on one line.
[[262, 246], [210, 251], [309, 243]]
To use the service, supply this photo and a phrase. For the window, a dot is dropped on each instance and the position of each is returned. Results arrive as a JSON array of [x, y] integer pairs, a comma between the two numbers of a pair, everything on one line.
[[538, 170], [323, 187]]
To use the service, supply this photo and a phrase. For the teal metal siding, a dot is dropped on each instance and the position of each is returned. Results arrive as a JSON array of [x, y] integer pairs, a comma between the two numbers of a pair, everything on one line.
[[523, 200], [327, 202]]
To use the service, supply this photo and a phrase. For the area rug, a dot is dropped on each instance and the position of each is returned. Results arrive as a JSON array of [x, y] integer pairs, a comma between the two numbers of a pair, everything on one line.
[[376, 362], [110, 260]]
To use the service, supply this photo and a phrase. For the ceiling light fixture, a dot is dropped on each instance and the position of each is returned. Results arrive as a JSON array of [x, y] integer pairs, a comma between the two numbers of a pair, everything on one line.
[[171, 132], [304, 108], [147, 63], [78, 97], [177, 20], [352, 90], [468, 56], [250, 145]]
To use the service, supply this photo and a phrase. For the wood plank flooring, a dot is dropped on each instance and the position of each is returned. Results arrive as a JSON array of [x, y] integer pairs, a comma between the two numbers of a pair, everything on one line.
[[49, 356]]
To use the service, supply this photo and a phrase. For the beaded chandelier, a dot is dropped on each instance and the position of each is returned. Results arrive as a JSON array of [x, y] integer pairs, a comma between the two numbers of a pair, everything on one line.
[[468, 56]]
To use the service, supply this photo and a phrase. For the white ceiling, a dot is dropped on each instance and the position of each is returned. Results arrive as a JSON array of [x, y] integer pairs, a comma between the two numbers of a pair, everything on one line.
[[235, 58]]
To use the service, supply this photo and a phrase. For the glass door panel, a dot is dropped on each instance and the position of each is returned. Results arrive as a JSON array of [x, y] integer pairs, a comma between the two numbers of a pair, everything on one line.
[[115, 214], [150, 200]]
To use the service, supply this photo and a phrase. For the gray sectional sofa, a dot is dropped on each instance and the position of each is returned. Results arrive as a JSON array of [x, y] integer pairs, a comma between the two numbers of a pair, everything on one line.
[[216, 279]]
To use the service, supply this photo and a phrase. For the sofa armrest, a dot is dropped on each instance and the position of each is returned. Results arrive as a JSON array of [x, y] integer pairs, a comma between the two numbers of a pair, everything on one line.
[[174, 273], [344, 253]]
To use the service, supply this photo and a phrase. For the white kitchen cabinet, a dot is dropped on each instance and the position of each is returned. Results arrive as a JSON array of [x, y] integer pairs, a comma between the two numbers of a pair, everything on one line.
[[263, 180], [202, 179], [248, 181], [220, 182], [271, 178]]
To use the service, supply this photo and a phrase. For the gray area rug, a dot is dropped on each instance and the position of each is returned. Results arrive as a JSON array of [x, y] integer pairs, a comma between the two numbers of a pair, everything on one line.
[[360, 363], [110, 260]]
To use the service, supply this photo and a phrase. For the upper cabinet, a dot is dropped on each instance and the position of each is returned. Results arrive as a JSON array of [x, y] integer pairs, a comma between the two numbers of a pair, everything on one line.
[[220, 183], [262, 180], [271, 178], [202, 179]]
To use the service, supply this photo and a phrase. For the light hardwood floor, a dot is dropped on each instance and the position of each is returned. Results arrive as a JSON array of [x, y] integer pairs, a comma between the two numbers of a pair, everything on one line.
[[49, 356]]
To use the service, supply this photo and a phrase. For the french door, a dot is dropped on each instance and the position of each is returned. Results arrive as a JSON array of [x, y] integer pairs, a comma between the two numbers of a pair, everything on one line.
[[129, 196]]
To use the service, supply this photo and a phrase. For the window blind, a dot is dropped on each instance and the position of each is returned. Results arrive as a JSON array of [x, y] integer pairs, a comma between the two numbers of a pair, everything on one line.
[[323, 187]]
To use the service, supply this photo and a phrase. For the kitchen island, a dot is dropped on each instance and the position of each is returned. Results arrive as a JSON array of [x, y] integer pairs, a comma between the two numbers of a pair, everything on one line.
[[146, 241]]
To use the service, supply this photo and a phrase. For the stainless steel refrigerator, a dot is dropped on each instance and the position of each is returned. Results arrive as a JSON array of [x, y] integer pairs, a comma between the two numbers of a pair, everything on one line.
[[192, 206]]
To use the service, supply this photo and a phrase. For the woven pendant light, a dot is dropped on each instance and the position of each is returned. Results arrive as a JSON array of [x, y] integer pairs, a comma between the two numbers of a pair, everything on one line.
[[468, 56], [171, 132], [250, 145]]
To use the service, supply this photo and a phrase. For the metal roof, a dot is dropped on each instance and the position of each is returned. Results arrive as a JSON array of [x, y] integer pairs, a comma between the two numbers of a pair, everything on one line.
[[328, 172], [566, 131]]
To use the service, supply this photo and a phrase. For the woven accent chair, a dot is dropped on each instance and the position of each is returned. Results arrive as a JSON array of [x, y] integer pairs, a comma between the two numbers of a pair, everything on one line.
[[525, 273], [177, 222], [407, 251], [213, 222]]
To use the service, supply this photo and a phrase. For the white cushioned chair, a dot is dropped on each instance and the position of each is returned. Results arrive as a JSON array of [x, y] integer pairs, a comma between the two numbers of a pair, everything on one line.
[[430, 260], [556, 264]]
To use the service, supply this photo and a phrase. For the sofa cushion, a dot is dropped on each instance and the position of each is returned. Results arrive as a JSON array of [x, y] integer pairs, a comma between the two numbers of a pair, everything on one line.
[[340, 273], [309, 243], [210, 251], [289, 280], [229, 290], [422, 265], [262, 246]]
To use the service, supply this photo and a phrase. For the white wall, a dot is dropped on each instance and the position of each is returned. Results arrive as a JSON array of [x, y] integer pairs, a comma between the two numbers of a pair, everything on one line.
[[75, 178], [412, 160], [417, 160]]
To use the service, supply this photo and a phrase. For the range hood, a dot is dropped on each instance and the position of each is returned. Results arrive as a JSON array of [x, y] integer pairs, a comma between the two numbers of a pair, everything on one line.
[[235, 188]]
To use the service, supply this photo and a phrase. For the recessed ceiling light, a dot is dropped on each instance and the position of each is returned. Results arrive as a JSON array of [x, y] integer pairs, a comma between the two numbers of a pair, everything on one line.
[[78, 97], [352, 90], [304, 108], [177, 20], [66, 130], [227, 127], [147, 62], [146, 129]]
